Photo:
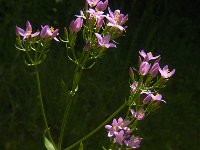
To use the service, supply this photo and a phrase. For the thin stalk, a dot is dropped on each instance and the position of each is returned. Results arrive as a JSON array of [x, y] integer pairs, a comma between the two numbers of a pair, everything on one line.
[[76, 79], [99, 127], [42, 106]]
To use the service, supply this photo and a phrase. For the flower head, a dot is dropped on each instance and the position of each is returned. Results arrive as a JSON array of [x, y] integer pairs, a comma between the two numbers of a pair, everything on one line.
[[112, 129], [119, 137], [134, 142], [138, 115], [116, 19], [165, 73], [92, 2], [157, 97], [95, 13], [104, 41], [147, 56], [48, 32], [26, 33], [134, 86], [116, 126]]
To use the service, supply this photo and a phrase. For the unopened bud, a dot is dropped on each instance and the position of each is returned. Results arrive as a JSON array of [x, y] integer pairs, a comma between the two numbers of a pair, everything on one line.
[[87, 46], [131, 73]]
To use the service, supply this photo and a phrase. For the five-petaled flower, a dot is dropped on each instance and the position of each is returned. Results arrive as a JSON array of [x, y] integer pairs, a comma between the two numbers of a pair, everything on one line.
[[138, 115], [112, 129], [116, 19], [26, 34], [104, 41], [157, 97], [147, 56], [165, 73], [134, 142], [48, 32]]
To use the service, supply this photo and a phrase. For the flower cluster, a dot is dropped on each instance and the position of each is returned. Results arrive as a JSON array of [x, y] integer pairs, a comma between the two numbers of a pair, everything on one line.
[[120, 131], [98, 28], [46, 32], [148, 73], [35, 45], [144, 98]]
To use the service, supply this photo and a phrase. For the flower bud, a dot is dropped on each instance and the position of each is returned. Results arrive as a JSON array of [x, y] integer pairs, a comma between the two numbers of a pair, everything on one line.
[[131, 73], [154, 70], [147, 99], [102, 6], [87, 46], [144, 68], [76, 25], [100, 22]]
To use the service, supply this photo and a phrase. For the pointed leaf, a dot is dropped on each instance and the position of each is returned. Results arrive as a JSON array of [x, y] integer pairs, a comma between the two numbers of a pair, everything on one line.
[[81, 146], [64, 87], [48, 144]]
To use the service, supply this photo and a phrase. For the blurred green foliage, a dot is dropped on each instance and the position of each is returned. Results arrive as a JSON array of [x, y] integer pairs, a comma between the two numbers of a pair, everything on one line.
[[170, 28]]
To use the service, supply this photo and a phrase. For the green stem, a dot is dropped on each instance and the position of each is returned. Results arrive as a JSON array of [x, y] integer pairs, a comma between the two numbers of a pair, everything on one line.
[[42, 106], [99, 127], [76, 79]]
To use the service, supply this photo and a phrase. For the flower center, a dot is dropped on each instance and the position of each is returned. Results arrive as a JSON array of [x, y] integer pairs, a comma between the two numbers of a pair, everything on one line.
[[29, 32], [115, 128], [52, 29]]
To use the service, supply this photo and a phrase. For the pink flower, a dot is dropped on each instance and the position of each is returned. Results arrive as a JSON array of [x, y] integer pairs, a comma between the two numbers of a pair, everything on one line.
[[134, 142], [101, 6], [147, 99], [95, 13], [116, 19], [144, 68], [92, 2], [165, 73], [116, 126], [104, 41], [147, 56], [138, 115], [134, 86], [112, 129], [119, 137], [26, 33], [48, 32], [154, 70], [76, 25], [157, 97], [100, 22]]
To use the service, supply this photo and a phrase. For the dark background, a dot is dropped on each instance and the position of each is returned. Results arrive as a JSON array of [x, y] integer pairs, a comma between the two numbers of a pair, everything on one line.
[[167, 27]]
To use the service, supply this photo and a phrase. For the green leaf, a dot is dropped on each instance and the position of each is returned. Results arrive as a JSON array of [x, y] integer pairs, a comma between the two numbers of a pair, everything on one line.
[[48, 144], [104, 148], [64, 87], [81, 146]]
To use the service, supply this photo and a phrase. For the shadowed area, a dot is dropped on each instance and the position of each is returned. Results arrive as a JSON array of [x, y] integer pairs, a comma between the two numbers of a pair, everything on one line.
[[170, 28]]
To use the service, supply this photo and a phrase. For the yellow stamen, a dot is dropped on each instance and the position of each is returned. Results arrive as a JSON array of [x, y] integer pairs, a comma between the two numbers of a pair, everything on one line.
[[52, 29], [96, 9], [168, 70], [29, 31]]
